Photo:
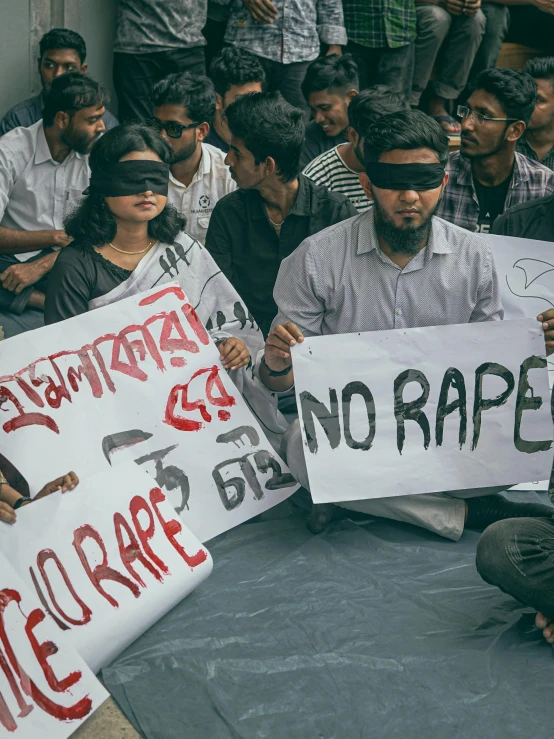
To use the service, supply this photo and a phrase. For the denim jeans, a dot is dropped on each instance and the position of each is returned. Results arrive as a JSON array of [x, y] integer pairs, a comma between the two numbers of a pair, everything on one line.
[[391, 67], [134, 75], [459, 37], [517, 555]]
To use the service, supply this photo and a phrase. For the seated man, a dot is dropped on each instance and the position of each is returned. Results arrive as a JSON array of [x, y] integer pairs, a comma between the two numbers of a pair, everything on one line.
[[184, 106], [457, 27], [369, 273], [538, 140], [254, 228], [234, 72], [329, 85], [532, 220], [487, 175], [339, 169], [43, 172], [61, 51]]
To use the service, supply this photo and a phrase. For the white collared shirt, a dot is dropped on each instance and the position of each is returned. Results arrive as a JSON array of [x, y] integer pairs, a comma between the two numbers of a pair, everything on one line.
[[210, 183], [37, 192]]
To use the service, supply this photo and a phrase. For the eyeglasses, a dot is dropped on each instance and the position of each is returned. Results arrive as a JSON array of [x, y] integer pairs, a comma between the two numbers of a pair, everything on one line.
[[478, 118], [173, 129]]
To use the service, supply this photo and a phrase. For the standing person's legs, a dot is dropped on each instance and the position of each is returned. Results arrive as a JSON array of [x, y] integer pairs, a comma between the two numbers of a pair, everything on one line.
[[291, 78], [367, 59], [517, 555], [191, 60], [133, 77], [496, 28], [396, 69], [531, 27], [433, 25]]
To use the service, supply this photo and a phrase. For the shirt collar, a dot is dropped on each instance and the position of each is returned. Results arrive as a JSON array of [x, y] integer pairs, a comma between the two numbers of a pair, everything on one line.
[[366, 237], [464, 173], [204, 167], [301, 206]]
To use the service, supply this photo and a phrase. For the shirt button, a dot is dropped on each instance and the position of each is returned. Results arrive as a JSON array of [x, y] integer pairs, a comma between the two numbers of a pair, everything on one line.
[[399, 311]]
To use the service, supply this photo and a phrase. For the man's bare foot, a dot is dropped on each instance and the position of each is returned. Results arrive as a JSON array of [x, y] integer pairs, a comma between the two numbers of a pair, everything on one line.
[[547, 626]]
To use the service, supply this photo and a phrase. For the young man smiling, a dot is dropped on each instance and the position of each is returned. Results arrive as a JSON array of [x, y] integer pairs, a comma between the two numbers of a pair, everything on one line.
[[184, 111], [329, 86], [61, 51], [393, 267], [487, 175]]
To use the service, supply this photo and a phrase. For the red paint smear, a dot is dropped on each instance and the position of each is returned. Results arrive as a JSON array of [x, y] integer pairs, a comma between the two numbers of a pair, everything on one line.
[[196, 324], [226, 400], [177, 361], [71, 713], [223, 415], [44, 602], [185, 424], [131, 552], [182, 343], [139, 504], [6, 718], [129, 368], [174, 290], [172, 528], [42, 557], [102, 571], [24, 708], [45, 650]]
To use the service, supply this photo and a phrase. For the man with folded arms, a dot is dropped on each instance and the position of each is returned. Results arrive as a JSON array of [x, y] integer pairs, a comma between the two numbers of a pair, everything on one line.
[[369, 273]]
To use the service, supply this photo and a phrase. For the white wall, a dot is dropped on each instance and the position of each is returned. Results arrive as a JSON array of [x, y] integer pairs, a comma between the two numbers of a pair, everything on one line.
[[14, 52]]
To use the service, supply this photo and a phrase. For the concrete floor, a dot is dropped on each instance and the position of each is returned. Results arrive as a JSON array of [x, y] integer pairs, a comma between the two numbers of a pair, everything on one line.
[[106, 723]]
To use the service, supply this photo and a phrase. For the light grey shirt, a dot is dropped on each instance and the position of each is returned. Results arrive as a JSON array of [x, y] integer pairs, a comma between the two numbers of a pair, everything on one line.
[[146, 26], [37, 192], [339, 281]]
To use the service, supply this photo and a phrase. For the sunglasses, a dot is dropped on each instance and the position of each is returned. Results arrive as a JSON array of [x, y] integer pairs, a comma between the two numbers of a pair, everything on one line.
[[173, 129]]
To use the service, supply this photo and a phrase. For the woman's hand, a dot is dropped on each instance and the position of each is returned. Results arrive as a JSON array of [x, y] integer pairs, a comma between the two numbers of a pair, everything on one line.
[[233, 353], [65, 483], [7, 513]]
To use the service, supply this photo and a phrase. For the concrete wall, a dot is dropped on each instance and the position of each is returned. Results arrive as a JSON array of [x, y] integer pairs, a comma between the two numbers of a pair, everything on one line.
[[23, 22]]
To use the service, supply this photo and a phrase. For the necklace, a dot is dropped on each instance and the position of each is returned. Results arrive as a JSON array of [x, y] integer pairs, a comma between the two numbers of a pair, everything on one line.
[[124, 251]]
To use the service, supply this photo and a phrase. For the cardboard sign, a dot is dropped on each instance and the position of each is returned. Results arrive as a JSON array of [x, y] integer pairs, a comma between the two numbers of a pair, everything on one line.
[[424, 410], [107, 559], [46, 689], [139, 380]]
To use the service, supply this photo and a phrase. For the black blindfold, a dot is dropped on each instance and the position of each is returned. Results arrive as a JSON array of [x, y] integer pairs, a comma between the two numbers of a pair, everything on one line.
[[130, 178], [405, 176]]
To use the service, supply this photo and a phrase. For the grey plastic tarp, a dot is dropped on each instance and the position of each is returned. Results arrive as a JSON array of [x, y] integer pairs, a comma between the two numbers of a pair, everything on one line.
[[366, 631]]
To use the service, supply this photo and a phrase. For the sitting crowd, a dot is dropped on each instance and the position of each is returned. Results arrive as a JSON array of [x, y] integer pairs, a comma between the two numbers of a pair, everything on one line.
[[332, 226]]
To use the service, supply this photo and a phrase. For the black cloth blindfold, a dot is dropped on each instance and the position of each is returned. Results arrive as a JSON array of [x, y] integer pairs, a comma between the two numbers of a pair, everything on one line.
[[130, 178], [405, 176]]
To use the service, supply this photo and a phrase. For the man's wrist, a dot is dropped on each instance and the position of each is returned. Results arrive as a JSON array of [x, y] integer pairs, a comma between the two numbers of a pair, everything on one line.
[[274, 373]]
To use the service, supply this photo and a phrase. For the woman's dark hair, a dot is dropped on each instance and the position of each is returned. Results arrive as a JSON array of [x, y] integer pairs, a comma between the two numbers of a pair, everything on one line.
[[333, 72], [540, 68], [63, 38], [233, 66], [71, 92], [194, 92], [372, 103], [91, 223], [269, 127], [515, 91], [410, 129]]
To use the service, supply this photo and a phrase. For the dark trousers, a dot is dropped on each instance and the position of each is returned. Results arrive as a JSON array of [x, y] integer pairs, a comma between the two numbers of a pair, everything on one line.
[[135, 74], [391, 67], [15, 316], [517, 555], [287, 78]]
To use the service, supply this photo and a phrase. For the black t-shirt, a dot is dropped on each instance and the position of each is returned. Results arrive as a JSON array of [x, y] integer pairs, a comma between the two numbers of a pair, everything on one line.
[[491, 203], [531, 220], [316, 142]]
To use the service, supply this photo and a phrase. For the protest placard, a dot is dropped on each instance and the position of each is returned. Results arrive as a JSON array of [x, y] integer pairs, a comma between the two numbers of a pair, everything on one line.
[[424, 410], [107, 559], [46, 689], [140, 380]]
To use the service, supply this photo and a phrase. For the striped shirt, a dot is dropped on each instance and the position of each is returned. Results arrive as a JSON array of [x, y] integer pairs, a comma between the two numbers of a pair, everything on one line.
[[329, 170], [338, 281]]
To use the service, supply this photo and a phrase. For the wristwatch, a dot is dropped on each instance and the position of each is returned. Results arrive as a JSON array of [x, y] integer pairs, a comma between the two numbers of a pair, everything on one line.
[[21, 501], [272, 373]]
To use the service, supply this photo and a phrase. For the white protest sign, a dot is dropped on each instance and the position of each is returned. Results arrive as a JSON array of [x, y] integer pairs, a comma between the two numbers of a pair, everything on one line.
[[46, 689], [423, 410], [139, 380], [107, 559]]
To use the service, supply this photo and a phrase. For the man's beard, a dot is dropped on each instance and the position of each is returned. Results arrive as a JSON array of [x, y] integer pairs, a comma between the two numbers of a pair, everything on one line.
[[185, 153], [82, 143], [408, 240]]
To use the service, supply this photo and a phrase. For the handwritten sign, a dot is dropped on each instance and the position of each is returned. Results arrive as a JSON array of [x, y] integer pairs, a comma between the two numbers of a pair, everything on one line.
[[424, 410], [140, 380], [46, 689], [107, 560]]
